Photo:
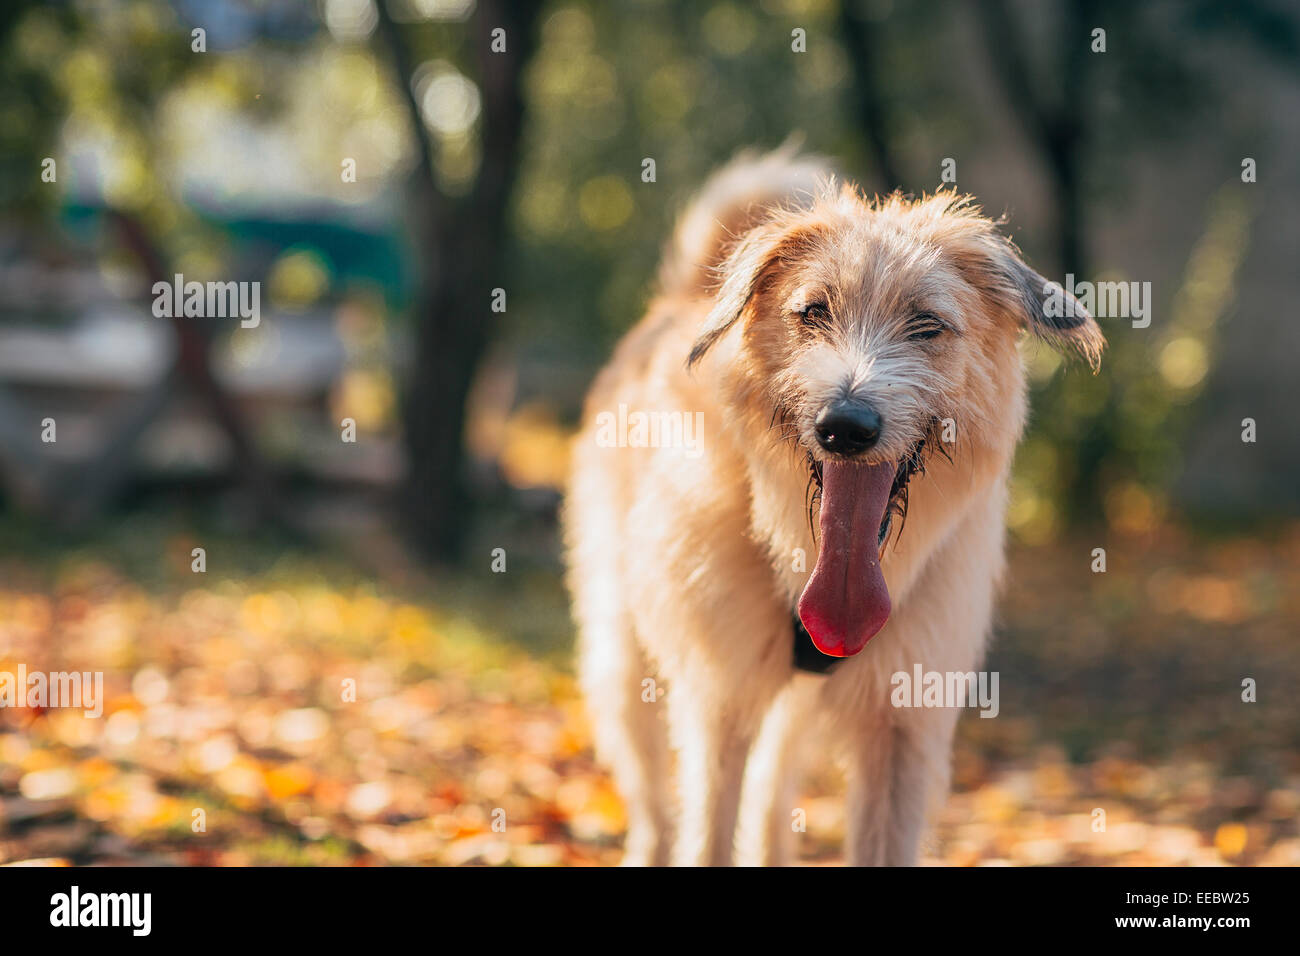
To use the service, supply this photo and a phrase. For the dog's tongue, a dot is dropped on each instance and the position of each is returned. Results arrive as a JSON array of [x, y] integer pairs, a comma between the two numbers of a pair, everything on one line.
[[845, 601]]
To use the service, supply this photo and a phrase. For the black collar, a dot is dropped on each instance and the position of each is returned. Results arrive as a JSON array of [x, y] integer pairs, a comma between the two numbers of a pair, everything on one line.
[[806, 655]]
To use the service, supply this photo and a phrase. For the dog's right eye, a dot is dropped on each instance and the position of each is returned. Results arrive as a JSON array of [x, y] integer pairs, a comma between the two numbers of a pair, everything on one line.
[[815, 316]]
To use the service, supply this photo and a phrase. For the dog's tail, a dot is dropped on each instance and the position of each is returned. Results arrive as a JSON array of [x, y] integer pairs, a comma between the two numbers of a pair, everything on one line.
[[734, 200]]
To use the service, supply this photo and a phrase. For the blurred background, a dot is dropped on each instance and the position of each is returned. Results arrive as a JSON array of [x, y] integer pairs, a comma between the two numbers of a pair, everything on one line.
[[381, 170]]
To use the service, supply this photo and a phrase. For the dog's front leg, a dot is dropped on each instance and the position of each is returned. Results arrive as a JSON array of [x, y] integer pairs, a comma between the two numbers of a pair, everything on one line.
[[920, 775], [894, 777], [772, 774], [867, 810], [711, 751]]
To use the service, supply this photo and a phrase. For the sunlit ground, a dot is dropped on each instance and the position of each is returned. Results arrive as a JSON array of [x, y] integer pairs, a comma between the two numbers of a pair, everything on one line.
[[225, 693]]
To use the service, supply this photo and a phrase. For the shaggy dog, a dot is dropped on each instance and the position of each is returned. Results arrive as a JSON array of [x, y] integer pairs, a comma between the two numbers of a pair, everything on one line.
[[849, 363]]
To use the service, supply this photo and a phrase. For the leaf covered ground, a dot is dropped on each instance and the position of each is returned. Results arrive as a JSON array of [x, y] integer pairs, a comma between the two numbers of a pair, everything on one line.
[[227, 705]]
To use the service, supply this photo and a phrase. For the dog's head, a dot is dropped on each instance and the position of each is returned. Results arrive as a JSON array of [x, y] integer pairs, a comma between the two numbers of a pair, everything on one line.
[[871, 330]]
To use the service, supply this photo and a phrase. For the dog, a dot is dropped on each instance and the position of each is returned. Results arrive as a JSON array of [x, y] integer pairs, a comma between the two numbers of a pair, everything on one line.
[[855, 369]]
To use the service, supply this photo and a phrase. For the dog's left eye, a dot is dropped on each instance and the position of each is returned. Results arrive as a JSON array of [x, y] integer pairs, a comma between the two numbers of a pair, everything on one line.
[[925, 327], [816, 314]]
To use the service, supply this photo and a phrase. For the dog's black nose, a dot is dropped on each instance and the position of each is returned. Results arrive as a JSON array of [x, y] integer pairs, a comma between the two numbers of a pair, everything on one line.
[[847, 428]]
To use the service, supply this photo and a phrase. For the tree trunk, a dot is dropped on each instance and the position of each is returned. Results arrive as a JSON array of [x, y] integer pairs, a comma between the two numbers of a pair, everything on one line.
[[862, 43], [1058, 127], [461, 242]]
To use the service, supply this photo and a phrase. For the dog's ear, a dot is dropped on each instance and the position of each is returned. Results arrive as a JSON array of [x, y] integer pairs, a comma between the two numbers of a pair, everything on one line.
[[743, 271], [1041, 306]]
